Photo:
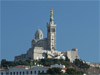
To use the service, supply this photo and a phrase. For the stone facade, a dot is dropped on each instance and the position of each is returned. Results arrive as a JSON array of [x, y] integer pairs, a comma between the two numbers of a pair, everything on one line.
[[46, 47], [72, 54]]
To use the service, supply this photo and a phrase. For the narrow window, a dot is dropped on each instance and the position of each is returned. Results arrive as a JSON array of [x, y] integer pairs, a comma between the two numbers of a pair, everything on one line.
[[38, 71], [48, 29], [27, 72], [20, 73], [42, 71], [6, 73], [1, 73], [53, 29], [34, 72], [17, 73], [23, 73], [14, 73], [10, 73], [31, 72]]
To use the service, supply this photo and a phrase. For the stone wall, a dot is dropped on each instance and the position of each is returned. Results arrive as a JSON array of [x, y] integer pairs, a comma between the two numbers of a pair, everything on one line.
[[72, 55]]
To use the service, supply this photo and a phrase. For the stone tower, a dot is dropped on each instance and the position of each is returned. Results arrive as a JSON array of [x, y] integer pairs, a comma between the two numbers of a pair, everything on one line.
[[51, 33]]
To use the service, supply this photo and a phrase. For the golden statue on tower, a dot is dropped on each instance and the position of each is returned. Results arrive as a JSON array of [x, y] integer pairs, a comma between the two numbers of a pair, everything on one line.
[[51, 12]]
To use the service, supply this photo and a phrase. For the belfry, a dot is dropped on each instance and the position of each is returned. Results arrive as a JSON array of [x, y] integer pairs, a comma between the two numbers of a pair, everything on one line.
[[51, 32]]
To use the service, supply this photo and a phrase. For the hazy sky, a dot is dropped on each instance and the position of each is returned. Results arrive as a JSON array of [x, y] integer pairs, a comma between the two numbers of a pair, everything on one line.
[[77, 26]]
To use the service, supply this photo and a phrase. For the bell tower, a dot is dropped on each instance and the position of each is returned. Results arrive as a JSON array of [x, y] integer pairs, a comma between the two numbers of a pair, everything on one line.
[[51, 32]]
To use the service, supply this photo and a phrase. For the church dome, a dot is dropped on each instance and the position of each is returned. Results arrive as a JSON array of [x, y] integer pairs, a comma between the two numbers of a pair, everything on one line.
[[38, 34]]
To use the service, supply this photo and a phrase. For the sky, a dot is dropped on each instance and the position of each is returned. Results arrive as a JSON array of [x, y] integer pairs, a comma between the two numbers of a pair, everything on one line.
[[77, 26]]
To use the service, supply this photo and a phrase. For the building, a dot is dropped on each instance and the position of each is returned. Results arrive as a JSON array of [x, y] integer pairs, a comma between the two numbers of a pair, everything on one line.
[[93, 71], [23, 70], [2, 71], [58, 66], [46, 47], [63, 69], [93, 64]]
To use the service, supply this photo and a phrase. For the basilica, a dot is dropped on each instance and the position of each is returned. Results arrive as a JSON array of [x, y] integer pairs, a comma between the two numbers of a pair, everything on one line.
[[46, 47]]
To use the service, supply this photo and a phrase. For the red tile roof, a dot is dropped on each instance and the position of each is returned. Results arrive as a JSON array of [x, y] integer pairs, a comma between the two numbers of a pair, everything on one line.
[[2, 69], [20, 66], [63, 69]]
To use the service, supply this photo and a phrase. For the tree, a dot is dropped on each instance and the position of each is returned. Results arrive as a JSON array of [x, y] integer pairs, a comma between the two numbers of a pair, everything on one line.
[[67, 59], [79, 63], [73, 71], [20, 62], [7, 64], [54, 71], [3, 63], [50, 61], [27, 62], [31, 63]]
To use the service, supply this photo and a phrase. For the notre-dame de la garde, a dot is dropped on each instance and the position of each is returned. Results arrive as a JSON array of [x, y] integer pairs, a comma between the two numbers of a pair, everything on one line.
[[46, 47]]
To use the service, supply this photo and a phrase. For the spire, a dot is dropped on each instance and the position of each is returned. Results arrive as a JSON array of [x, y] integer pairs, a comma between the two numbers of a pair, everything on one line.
[[51, 16]]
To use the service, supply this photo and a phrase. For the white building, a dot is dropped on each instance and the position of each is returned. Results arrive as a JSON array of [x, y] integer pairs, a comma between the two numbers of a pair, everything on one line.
[[45, 47], [63, 69], [24, 70], [58, 66]]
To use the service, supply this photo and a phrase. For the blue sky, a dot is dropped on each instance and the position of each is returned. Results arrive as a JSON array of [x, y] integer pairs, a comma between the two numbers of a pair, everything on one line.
[[77, 26]]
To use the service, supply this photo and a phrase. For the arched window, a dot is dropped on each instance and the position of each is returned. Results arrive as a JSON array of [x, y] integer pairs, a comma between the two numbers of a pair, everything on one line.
[[26, 72], [17, 73], [20, 73], [38, 71], [1, 73], [23, 73], [42, 71], [34, 72], [48, 29], [10, 73], [7, 73], [13, 73], [31, 72]]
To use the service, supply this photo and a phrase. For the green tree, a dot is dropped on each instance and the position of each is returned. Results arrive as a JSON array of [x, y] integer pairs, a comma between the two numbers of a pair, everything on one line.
[[6, 64], [49, 61], [79, 63], [67, 59], [54, 71], [20, 62], [27, 62], [73, 71], [31, 63], [3, 63]]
